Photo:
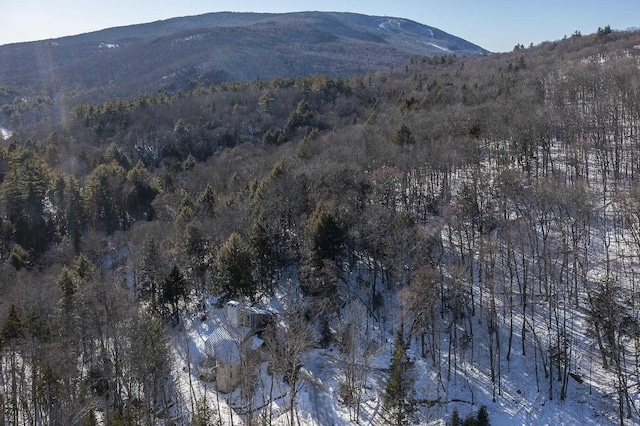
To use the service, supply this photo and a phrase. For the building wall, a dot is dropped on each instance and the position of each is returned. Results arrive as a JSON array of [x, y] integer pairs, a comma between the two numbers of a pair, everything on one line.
[[227, 377]]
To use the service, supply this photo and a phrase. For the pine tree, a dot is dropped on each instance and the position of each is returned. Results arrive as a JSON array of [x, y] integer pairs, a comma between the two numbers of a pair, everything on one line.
[[197, 259], [398, 394], [483, 417], [22, 192], [204, 415], [186, 209], [71, 280], [325, 233], [150, 273], [174, 289], [206, 202], [403, 136], [73, 211], [104, 198], [67, 283], [19, 257], [12, 325], [234, 268], [261, 248], [84, 269], [455, 418]]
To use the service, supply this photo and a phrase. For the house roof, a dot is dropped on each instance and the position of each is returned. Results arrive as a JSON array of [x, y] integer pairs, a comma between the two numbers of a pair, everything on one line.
[[255, 310], [227, 351], [224, 341], [222, 344]]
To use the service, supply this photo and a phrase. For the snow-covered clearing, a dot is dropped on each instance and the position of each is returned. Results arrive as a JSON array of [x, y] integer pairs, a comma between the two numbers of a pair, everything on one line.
[[437, 47]]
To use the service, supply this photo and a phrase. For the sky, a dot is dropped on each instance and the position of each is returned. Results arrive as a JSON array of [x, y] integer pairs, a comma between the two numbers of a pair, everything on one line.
[[496, 25]]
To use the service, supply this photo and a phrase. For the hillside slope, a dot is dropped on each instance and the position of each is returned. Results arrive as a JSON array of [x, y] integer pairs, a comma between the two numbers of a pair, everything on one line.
[[217, 47], [453, 233]]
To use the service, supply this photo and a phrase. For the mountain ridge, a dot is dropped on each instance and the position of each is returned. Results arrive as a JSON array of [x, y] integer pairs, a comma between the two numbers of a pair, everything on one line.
[[218, 47]]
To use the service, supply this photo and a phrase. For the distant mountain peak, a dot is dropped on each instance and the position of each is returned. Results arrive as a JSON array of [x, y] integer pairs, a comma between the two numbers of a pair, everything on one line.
[[224, 46]]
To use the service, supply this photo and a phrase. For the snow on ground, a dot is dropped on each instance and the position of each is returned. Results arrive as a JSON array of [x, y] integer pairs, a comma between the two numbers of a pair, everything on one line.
[[517, 396], [5, 133], [188, 351], [437, 47], [522, 398], [391, 22]]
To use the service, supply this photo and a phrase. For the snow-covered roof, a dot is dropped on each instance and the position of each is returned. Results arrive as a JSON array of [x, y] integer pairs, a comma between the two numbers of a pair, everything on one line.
[[255, 310], [227, 351], [227, 337], [223, 345]]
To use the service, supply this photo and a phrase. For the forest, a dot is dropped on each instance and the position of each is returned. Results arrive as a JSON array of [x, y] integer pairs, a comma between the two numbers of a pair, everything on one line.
[[446, 219]]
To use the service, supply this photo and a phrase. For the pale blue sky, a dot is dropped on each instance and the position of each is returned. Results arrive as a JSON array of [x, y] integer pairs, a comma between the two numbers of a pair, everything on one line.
[[496, 25]]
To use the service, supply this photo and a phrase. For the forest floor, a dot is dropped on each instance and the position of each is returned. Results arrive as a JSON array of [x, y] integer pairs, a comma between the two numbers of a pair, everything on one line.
[[521, 396]]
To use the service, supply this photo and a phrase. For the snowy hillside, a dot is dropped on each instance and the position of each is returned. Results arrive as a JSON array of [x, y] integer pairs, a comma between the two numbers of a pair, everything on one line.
[[522, 300], [452, 241]]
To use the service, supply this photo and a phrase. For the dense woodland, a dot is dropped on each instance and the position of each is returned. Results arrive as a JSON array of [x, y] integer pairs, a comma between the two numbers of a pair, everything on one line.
[[469, 207]]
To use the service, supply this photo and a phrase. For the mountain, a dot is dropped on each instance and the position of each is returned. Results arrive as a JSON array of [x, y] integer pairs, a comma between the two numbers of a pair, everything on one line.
[[183, 52]]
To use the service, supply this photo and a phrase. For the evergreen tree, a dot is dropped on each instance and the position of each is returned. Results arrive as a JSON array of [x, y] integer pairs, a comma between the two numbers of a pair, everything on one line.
[[19, 257], [483, 417], [403, 136], [197, 260], [23, 192], [115, 153], [70, 220], [455, 418], [150, 273], [301, 116], [12, 325], [189, 163], [234, 268], [71, 280], [84, 269], [261, 248], [206, 202], [104, 198], [186, 209], [325, 233], [67, 283], [139, 192], [148, 357], [49, 391], [398, 394], [174, 289], [204, 415]]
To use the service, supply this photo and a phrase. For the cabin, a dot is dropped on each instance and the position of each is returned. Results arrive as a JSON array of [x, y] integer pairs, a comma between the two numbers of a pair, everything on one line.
[[255, 318], [236, 333], [223, 348]]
